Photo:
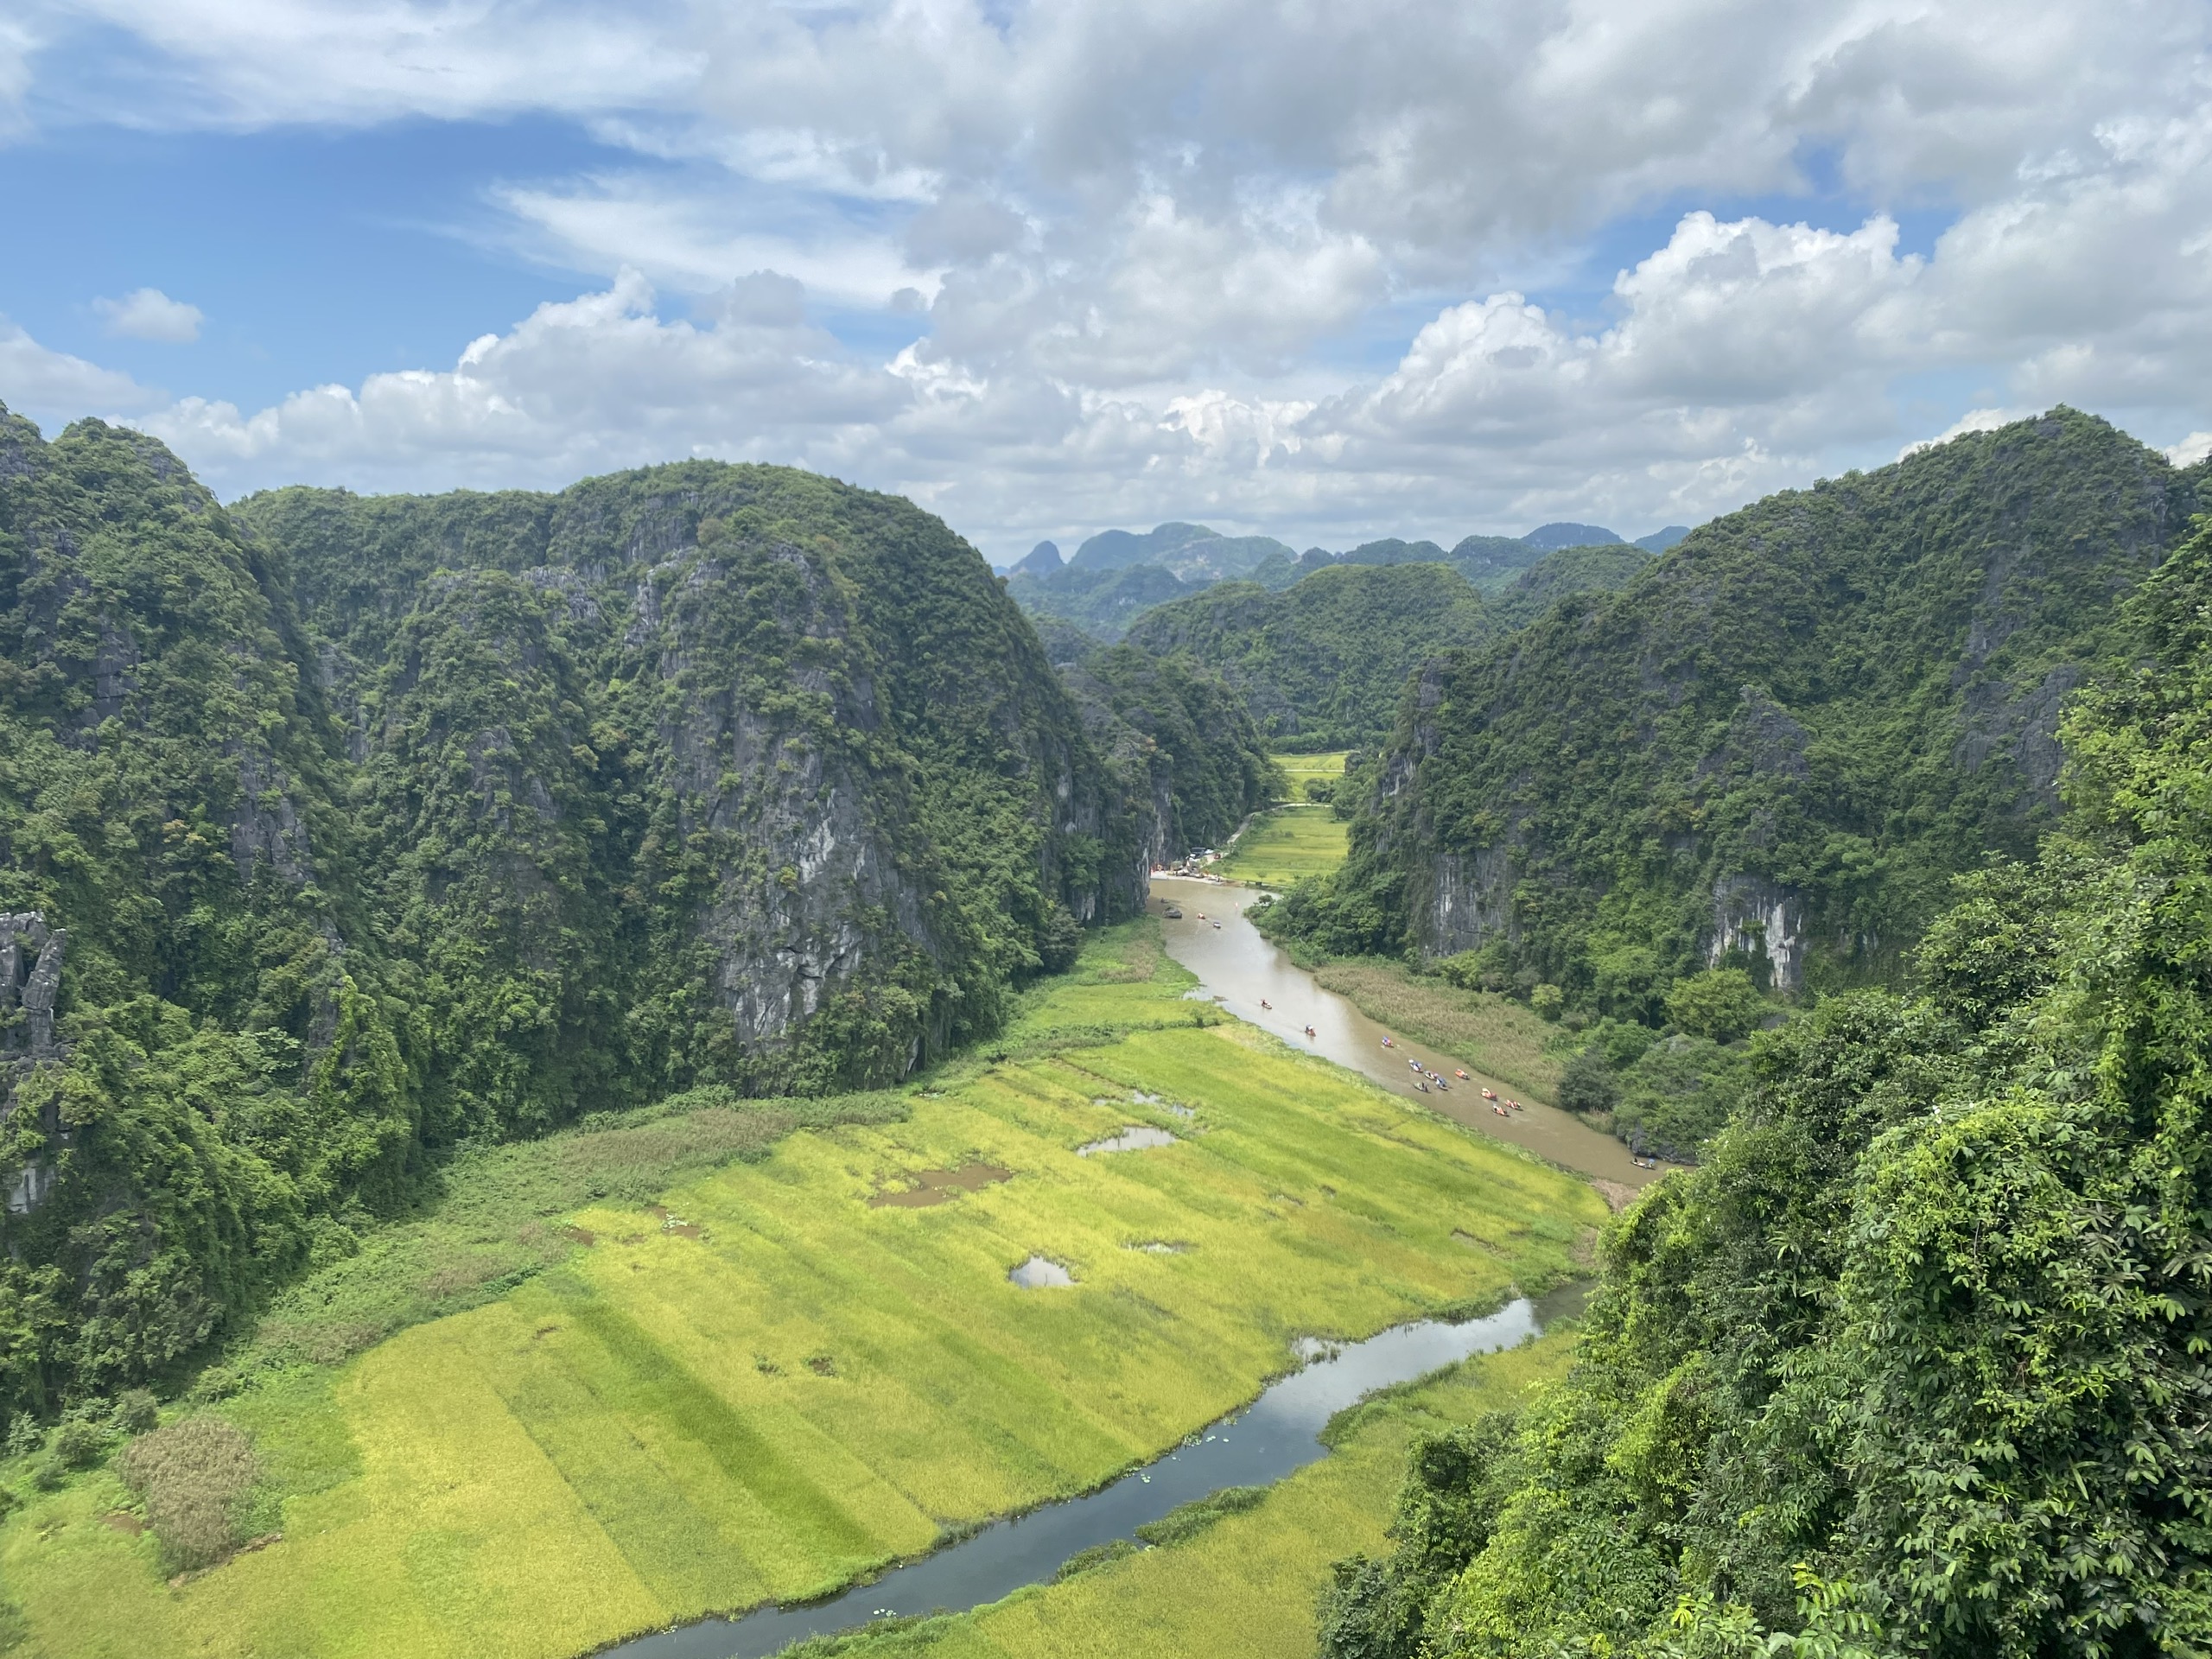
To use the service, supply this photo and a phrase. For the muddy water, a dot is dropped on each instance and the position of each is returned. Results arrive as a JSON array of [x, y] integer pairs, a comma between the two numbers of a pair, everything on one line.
[[1240, 969], [1276, 1435]]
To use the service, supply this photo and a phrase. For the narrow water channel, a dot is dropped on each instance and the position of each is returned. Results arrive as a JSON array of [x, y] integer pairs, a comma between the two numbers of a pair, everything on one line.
[[1276, 1435], [1257, 982]]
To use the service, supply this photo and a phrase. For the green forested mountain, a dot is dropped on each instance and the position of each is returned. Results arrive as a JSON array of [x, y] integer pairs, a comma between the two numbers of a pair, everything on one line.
[[1915, 1363], [1102, 603], [1777, 744], [1324, 661], [1600, 567], [335, 830]]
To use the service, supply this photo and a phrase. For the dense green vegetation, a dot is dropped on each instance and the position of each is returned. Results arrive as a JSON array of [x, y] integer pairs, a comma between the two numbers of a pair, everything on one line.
[[1103, 602], [687, 1361], [1913, 1363], [1605, 568], [1325, 661], [1179, 738], [1772, 752], [339, 833]]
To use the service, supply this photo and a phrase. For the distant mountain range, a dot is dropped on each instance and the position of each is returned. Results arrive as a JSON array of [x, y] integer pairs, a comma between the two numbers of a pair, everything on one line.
[[1118, 575]]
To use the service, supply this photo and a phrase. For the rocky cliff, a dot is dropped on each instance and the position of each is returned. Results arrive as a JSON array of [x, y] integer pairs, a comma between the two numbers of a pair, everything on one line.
[[1778, 745], [335, 829]]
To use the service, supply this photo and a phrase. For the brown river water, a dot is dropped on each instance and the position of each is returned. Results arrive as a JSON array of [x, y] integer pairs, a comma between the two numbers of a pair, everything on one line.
[[1238, 969]]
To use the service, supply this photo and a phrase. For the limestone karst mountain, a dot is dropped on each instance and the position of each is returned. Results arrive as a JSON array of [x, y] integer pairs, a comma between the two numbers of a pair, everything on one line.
[[335, 828]]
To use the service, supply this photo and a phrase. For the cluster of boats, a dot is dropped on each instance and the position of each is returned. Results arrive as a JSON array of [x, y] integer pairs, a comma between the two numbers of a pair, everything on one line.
[[1425, 1080]]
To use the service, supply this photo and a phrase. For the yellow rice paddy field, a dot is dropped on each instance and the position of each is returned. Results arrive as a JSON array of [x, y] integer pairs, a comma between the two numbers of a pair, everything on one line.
[[1245, 1588], [772, 1379]]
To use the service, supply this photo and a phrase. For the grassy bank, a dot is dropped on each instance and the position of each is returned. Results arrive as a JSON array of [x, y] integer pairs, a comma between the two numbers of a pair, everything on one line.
[[1245, 1583], [1493, 1034], [762, 1384], [1287, 845]]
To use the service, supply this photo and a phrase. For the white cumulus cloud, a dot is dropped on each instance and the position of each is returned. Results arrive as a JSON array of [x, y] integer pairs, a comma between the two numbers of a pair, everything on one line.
[[149, 314], [1328, 272]]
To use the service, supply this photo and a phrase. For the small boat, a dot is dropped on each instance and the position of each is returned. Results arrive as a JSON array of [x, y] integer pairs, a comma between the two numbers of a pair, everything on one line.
[[1309, 1030], [1517, 1105], [1490, 1094], [1422, 1087], [1461, 1074], [1387, 1043], [1217, 927]]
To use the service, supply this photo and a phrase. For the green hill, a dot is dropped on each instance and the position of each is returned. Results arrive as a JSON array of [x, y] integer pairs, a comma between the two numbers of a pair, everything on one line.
[[1777, 746], [1325, 660], [1603, 567], [337, 831]]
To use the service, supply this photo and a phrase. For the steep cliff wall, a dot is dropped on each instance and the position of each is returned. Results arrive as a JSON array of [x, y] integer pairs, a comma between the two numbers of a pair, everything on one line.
[[335, 831], [1779, 744]]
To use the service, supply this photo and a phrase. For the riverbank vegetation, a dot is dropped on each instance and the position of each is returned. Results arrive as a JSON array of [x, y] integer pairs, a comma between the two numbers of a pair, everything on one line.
[[1494, 1034], [759, 1380]]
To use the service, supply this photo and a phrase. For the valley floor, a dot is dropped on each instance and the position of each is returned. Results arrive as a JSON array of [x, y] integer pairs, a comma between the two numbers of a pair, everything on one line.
[[1287, 845], [768, 1380]]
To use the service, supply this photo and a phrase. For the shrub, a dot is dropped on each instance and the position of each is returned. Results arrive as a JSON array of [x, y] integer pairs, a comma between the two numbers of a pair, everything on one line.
[[1588, 1085], [1548, 1000], [194, 1476], [1721, 1004], [78, 1442], [135, 1411]]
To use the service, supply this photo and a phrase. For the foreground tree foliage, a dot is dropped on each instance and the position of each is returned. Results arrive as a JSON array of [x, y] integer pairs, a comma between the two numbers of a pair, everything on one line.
[[1917, 1362]]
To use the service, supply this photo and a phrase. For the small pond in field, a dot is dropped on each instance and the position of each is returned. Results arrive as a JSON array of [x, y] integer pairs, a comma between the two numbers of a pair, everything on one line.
[[938, 1186], [1276, 1435], [1040, 1273], [1135, 1138]]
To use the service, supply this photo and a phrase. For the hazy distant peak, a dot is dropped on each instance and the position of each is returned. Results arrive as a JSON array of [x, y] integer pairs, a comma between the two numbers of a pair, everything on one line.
[[1660, 540], [1550, 537], [1043, 560], [1189, 550]]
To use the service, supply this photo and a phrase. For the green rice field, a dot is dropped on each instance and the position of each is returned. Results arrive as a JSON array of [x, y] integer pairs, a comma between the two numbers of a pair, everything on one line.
[[1286, 845], [775, 1376]]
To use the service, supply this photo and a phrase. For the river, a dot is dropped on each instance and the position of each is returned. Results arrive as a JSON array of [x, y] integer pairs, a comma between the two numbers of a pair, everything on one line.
[[1240, 970], [1276, 1435]]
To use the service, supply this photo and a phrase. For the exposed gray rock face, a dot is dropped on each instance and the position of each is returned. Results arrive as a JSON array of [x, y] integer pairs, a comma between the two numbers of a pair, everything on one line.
[[31, 957], [1764, 919], [265, 824]]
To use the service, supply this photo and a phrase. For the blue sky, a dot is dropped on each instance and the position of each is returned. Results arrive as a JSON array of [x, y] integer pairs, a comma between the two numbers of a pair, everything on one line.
[[1437, 269]]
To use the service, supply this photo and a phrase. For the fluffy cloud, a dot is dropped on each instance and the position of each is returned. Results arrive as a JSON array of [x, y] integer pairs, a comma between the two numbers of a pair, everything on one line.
[[34, 379], [149, 314], [1292, 267]]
